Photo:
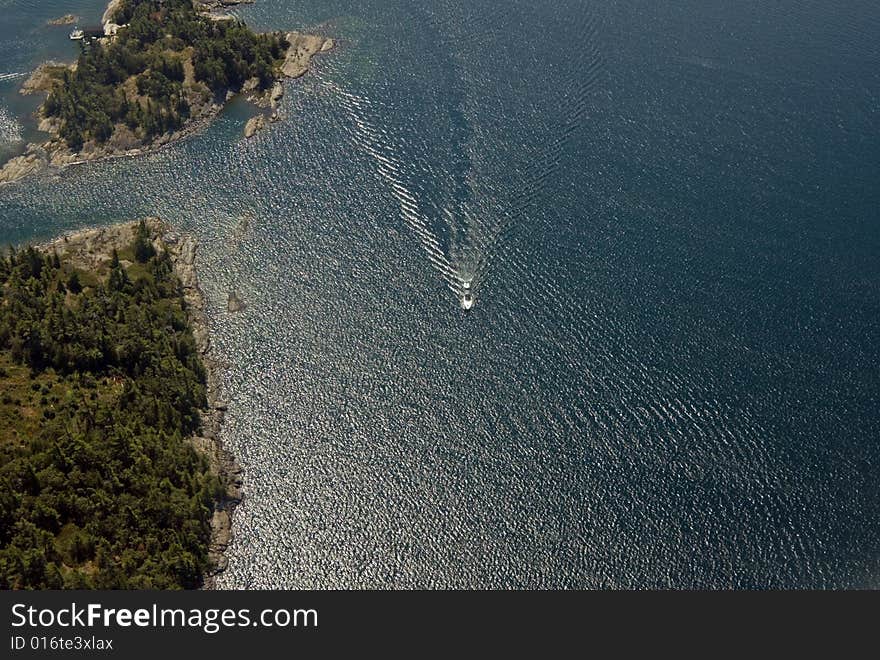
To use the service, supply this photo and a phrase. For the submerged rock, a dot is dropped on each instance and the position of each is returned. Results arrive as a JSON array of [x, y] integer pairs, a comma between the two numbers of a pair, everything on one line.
[[234, 304]]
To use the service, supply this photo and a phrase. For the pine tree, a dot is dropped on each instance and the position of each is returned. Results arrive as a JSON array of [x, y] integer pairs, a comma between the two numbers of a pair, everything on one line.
[[73, 283], [143, 247]]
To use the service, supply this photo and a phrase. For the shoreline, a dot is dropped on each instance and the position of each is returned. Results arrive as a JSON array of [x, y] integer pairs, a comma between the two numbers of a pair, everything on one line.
[[47, 158], [53, 155], [91, 246]]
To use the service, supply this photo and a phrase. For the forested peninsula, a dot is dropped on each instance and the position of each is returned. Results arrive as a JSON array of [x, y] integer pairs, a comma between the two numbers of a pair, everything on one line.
[[160, 70], [111, 474]]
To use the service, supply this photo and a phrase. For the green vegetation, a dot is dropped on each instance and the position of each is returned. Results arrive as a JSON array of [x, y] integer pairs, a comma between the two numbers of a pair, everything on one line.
[[100, 386], [140, 78]]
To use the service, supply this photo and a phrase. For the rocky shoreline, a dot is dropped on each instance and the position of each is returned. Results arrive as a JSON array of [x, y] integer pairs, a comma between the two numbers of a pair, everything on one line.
[[55, 155], [89, 249], [303, 47]]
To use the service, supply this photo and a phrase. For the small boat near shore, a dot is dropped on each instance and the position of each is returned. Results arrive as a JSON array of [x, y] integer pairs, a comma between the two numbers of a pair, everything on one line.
[[76, 34]]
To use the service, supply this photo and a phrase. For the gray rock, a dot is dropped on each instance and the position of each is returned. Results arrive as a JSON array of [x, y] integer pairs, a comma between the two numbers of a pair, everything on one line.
[[234, 304], [254, 125], [277, 94], [22, 166]]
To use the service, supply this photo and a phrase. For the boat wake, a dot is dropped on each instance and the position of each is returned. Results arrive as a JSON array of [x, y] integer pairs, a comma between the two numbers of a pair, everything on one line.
[[468, 158], [367, 137]]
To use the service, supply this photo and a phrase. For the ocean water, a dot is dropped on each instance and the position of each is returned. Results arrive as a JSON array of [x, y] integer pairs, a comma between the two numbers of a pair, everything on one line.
[[667, 215]]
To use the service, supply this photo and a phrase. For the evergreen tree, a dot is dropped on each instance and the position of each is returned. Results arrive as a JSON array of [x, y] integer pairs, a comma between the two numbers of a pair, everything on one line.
[[143, 246], [106, 492]]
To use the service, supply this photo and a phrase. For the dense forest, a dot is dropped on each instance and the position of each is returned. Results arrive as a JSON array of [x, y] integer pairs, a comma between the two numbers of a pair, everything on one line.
[[100, 386], [139, 77]]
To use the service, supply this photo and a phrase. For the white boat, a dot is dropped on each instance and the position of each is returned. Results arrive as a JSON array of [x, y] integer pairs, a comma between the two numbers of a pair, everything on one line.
[[467, 300], [76, 34]]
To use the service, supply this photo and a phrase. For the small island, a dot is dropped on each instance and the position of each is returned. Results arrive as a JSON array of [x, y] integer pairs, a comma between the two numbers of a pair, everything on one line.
[[161, 70], [111, 472], [67, 19]]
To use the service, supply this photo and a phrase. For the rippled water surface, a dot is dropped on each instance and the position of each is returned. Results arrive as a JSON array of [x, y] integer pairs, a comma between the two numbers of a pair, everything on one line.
[[666, 215]]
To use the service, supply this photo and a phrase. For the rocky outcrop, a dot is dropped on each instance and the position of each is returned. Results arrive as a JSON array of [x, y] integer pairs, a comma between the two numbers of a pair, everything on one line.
[[89, 249], [296, 64], [276, 94], [17, 168], [44, 78], [215, 9], [254, 124], [182, 251], [302, 48], [67, 19], [50, 125], [234, 304], [110, 12], [211, 5]]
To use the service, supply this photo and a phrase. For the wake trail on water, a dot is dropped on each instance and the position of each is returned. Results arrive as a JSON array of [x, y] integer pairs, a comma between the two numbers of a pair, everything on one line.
[[367, 136], [465, 187]]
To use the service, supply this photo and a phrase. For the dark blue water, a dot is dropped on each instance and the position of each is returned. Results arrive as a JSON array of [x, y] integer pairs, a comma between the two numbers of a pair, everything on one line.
[[667, 214]]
